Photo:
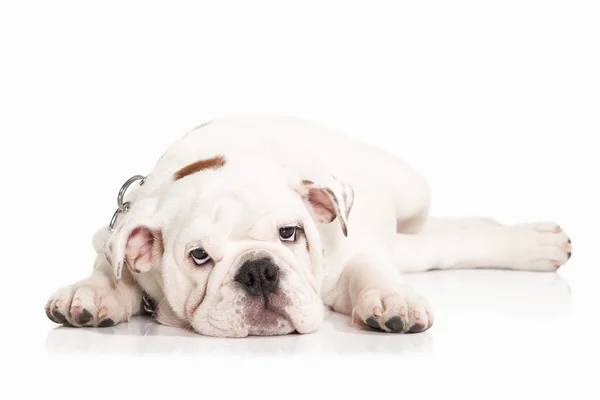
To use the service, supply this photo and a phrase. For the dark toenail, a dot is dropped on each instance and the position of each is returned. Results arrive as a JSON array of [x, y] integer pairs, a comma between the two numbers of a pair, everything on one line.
[[373, 323], [85, 317], [416, 328], [569, 240], [50, 316], [394, 324], [60, 318], [568, 255], [106, 323]]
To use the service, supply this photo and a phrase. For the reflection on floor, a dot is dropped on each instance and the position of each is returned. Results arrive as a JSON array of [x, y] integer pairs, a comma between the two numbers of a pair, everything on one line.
[[456, 296]]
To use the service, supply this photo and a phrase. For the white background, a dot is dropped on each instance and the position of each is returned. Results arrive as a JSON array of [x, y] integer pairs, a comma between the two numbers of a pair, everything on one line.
[[496, 103]]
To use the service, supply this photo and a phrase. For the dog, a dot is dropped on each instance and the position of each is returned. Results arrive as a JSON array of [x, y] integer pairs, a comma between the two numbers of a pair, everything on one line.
[[252, 225]]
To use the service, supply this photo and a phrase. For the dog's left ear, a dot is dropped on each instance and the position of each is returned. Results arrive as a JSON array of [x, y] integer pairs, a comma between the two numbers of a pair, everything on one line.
[[328, 200]]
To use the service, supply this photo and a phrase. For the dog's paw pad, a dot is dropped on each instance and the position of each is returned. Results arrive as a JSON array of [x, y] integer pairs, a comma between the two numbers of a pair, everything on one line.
[[86, 306], [394, 324], [400, 310], [59, 317], [81, 315], [372, 322], [416, 328], [106, 323]]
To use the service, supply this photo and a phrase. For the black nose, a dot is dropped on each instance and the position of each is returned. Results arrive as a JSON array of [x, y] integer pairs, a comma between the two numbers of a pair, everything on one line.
[[259, 276]]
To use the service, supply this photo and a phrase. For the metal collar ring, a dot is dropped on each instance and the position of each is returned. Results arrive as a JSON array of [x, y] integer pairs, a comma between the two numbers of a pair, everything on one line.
[[123, 206]]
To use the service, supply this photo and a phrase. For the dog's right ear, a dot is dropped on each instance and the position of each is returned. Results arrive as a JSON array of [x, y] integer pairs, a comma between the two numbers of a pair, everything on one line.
[[136, 242]]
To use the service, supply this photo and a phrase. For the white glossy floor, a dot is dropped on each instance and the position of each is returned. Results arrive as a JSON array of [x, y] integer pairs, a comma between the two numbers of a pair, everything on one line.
[[472, 307], [497, 334]]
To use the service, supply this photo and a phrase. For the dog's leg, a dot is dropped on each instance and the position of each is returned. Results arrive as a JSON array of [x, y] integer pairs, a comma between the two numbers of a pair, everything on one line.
[[373, 292], [438, 226], [483, 244], [96, 300]]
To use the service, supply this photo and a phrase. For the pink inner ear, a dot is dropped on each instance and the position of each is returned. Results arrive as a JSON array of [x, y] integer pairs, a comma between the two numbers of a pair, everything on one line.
[[139, 246], [322, 205]]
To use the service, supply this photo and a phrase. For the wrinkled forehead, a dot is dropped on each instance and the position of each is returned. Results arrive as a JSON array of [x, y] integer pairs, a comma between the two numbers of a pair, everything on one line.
[[237, 205]]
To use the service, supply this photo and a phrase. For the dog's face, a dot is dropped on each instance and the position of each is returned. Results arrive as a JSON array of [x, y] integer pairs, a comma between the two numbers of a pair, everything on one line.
[[239, 255], [238, 264]]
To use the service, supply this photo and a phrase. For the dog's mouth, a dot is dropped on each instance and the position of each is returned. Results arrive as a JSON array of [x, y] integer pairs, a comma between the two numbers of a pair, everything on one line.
[[264, 296], [261, 278], [278, 314], [266, 315], [238, 313]]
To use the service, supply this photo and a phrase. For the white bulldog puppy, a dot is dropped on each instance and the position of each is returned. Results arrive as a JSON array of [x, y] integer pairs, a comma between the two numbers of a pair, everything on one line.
[[252, 225]]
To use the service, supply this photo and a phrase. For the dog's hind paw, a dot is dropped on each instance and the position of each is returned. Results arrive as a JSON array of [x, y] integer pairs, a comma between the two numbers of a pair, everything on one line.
[[86, 305], [397, 309], [542, 246]]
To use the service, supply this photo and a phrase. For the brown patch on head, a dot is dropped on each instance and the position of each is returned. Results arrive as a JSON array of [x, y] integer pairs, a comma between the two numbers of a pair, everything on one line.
[[200, 165], [159, 242], [307, 182]]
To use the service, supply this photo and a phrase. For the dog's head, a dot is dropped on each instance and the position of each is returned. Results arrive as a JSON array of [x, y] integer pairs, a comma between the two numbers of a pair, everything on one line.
[[237, 246]]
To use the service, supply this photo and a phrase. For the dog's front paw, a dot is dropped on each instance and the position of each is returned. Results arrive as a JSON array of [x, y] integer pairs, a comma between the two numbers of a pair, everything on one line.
[[86, 305], [395, 309]]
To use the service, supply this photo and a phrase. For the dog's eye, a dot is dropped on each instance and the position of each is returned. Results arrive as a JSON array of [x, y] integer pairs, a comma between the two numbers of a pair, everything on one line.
[[288, 233], [200, 256]]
